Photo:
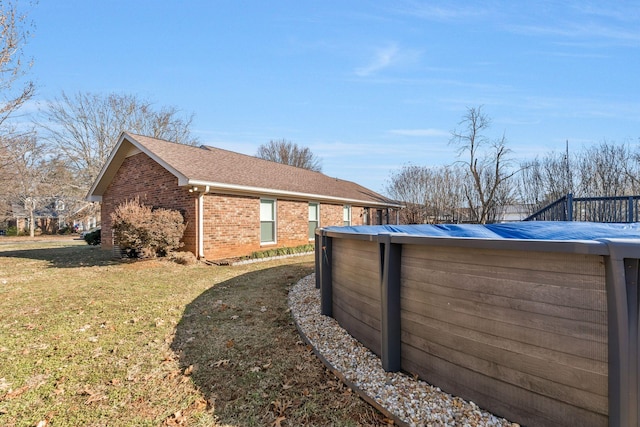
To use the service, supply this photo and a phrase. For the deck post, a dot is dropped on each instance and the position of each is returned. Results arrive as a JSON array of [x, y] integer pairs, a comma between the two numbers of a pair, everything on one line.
[[623, 305], [569, 207], [630, 210], [326, 284], [390, 257]]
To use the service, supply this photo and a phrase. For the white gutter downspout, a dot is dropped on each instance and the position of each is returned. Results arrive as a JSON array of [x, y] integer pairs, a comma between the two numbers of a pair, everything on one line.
[[201, 221]]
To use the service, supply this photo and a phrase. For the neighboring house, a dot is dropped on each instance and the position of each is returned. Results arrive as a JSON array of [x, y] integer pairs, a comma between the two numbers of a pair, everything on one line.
[[48, 219], [514, 212], [233, 204]]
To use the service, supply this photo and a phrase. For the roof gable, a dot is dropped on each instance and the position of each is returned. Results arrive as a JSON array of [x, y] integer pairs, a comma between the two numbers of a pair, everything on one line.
[[224, 170]]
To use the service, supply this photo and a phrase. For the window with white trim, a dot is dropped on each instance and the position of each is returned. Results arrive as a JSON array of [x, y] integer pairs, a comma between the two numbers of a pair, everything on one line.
[[314, 219], [346, 214], [267, 221]]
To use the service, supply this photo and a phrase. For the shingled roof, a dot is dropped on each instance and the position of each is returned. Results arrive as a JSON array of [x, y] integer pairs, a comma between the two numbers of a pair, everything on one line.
[[223, 170]]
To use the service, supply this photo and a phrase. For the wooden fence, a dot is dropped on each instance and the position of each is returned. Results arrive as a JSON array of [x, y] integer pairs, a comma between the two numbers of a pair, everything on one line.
[[540, 332]]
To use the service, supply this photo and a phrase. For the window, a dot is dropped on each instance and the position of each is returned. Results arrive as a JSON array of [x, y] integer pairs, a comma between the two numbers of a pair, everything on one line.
[[346, 214], [267, 221], [314, 219]]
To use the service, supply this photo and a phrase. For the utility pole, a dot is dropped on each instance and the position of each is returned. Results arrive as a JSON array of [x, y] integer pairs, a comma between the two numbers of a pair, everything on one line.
[[567, 169]]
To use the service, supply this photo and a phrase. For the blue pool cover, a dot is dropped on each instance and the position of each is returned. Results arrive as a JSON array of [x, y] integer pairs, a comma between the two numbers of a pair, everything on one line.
[[535, 230]]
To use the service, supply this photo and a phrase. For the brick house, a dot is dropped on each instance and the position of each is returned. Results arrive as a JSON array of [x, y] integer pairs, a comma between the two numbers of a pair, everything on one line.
[[233, 204]]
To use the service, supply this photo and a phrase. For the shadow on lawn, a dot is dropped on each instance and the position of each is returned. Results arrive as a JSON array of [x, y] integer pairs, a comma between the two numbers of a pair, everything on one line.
[[235, 326], [238, 342], [66, 256]]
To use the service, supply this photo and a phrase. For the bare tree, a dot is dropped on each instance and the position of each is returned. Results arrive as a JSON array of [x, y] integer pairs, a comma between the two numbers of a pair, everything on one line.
[[410, 186], [85, 127], [289, 153], [14, 33], [558, 172], [430, 195], [543, 181], [603, 170], [487, 165], [446, 195], [29, 176], [14, 92], [531, 185], [633, 170], [38, 184]]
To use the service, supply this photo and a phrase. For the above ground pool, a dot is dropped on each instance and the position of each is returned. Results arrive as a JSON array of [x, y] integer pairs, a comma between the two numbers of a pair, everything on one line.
[[533, 321]]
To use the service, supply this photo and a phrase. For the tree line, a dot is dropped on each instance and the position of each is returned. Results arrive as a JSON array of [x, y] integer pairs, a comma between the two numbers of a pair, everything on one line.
[[50, 163], [486, 181]]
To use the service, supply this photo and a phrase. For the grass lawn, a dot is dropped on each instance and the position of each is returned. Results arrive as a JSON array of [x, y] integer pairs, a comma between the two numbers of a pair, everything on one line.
[[86, 340]]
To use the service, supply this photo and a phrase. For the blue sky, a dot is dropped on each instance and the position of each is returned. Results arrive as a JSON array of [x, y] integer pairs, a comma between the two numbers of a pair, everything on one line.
[[369, 86]]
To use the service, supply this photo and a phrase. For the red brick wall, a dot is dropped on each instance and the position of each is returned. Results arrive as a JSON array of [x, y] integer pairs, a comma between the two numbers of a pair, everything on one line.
[[334, 215], [140, 176], [231, 225], [357, 215], [292, 223], [330, 215]]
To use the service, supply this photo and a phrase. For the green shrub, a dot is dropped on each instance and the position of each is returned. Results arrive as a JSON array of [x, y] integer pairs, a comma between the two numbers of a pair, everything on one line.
[[65, 230], [93, 238], [142, 232], [12, 231], [268, 253]]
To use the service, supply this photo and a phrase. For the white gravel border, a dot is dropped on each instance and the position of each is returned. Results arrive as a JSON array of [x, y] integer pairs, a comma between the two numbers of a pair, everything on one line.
[[406, 400]]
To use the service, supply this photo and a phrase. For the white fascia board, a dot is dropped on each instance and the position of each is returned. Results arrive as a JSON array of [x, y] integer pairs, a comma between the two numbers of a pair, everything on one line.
[[273, 192]]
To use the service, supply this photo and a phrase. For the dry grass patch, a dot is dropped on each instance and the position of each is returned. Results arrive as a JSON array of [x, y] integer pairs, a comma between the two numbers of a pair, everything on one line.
[[87, 340]]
